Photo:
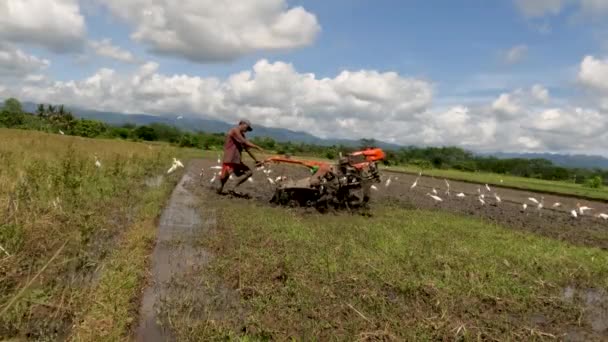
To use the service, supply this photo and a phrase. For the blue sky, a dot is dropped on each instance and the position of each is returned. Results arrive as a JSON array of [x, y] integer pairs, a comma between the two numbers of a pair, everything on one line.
[[437, 72]]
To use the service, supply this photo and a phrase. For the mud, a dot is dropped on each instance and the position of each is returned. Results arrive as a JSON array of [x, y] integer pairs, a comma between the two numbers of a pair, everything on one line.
[[556, 223], [595, 303], [174, 256]]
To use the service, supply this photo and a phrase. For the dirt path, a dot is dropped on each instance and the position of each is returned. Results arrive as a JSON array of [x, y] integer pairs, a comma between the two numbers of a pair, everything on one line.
[[552, 222], [174, 255]]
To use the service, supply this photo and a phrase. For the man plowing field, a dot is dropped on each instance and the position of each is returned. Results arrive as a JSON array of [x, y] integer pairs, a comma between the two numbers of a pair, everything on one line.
[[233, 147], [345, 184]]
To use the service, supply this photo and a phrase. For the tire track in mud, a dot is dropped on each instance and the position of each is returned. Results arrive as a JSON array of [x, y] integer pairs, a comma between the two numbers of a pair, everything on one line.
[[175, 255]]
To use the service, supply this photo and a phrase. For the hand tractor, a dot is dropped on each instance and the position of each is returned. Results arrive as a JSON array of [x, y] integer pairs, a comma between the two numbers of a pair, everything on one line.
[[345, 184]]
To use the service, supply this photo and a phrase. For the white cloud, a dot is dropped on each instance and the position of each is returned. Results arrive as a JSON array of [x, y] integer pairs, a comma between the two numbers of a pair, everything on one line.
[[511, 105], [210, 31], [593, 73], [105, 48], [539, 8], [15, 62], [515, 54], [352, 104], [505, 104], [57, 25], [540, 93]]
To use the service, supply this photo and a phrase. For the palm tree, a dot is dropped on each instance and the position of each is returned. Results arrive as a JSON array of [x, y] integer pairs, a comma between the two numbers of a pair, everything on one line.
[[40, 110], [51, 109]]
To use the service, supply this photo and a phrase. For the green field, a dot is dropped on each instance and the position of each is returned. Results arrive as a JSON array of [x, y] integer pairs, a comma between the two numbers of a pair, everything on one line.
[[77, 239], [76, 236], [532, 184], [400, 275]]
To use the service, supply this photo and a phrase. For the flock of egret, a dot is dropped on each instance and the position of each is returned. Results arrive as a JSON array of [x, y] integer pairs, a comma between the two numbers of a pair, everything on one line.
[[482, 198], [489, 196]]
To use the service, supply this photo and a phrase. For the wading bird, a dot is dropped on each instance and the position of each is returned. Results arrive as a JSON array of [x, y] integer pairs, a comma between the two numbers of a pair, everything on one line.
[[582, 209], [488, 188], [213, 179], [373, 187], [602, 216], [498, 200], [435, 197], [447, 184], [270, 180], [481, 200], [176, 164], [557, 205], [388, 182], [533, 200], [415, 183], [61, 132], [97, 162], [460, 195], [434, 191], [573, 213], [524, 207]]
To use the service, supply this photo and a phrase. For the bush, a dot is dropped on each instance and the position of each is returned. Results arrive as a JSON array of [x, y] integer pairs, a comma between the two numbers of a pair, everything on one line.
[[594, 182], [330, 154]]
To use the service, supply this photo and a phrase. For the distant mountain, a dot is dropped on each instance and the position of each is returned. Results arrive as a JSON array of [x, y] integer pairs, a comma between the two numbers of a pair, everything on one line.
[[565, 160], [206, 125]]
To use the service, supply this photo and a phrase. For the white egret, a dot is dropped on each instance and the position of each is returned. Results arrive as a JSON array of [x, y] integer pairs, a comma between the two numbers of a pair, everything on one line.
[[461, 195], [213, 179], [178, 162], [498, 200], [61, 132], [582, 209], [533, 200], [415, 183], [524, 206], [434, 191], [373, 187], [481, 200], [388, 182], [602, 216], [557, 205], [216, 167], [270, 180], [219, 160], [435, 198], [97, 162], [488, 188], [573, 213], [250, 179]]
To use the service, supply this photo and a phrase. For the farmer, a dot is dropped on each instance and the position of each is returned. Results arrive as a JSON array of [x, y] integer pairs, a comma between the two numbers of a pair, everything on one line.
[[232, 163]]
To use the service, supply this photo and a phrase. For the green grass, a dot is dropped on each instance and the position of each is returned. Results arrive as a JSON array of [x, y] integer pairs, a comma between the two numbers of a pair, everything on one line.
[[556, 187], [402, 275], [72, 231]]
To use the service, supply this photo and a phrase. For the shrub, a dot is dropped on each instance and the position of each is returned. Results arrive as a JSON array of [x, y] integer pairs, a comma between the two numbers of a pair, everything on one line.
[[594, 182]]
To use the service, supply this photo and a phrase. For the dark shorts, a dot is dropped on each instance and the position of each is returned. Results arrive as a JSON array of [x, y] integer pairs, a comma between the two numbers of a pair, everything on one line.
[[238, 169]]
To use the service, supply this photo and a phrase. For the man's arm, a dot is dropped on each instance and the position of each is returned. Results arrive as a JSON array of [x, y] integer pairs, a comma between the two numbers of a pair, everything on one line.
[[236, 134]]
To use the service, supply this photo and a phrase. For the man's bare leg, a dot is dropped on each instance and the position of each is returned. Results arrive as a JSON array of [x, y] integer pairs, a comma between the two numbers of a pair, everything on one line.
[[223, 181], [243, 179]]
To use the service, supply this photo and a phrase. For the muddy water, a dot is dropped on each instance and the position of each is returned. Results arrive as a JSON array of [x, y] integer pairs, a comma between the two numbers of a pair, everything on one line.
[[173, 257]]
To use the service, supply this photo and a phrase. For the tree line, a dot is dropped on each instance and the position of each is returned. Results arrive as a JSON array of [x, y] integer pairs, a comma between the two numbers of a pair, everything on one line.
[[56, 119]]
